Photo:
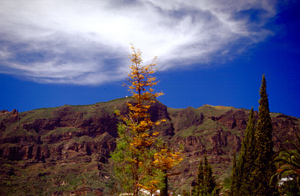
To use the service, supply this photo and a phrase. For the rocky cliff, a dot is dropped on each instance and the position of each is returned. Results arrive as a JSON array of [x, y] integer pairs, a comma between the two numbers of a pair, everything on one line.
[[63, 150]]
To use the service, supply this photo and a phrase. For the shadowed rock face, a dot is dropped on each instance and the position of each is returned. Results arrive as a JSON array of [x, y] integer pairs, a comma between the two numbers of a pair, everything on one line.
[[86, 134], [67, 131]]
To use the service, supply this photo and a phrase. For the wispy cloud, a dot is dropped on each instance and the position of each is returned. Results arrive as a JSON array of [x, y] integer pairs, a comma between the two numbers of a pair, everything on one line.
[[87, 42]]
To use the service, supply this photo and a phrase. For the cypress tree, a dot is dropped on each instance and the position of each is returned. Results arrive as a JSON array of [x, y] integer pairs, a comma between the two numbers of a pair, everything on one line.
[[233, 176], [242, 175], [206, 182], [264, 168], [198, 190], [209, 179], [247, 159]]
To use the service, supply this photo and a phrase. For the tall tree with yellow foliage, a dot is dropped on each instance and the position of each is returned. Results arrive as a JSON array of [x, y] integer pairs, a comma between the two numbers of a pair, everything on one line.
[[140, 158]]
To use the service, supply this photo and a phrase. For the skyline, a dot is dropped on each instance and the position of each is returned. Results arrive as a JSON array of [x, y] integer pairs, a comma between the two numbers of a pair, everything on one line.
[[208, 52]]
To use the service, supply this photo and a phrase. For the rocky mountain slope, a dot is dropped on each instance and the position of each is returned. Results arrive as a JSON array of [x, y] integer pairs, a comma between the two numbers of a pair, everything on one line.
[[60, 151]]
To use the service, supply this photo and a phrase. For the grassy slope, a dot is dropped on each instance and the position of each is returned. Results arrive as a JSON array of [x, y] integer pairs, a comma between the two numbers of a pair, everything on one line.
[[47, 178]]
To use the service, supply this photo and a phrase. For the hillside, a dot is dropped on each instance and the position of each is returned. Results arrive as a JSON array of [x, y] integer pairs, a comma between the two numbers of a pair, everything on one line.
[[63, 150]]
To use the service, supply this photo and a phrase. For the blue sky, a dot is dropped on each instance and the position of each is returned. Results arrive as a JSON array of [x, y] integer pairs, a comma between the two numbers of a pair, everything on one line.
[[61, 52]]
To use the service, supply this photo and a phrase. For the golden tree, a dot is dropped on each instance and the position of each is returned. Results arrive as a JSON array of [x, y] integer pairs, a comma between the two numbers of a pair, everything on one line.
[[140, 160]]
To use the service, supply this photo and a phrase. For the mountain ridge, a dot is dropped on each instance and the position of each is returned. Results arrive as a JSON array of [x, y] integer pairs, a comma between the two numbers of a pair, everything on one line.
[[66, 148]]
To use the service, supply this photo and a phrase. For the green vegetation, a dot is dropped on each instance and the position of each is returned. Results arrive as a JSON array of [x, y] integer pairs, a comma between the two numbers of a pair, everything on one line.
[[26, 117], [206, 182], [227, 183], [264, 168], [252, 174], [38, 180], [35, 114], [61, 130], [203, 129], [214, 110], [234, 176], [87, 112], [288, 164], [243, 172]]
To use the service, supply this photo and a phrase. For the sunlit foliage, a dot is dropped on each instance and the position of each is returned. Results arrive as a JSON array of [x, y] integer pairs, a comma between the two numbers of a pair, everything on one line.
[[141, 159]]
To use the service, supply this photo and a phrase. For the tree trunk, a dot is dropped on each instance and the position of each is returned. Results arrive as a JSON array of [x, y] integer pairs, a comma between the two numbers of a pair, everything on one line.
[[164, 191]]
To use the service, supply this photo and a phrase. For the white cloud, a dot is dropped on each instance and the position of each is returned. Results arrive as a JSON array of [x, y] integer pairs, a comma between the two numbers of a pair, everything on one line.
[[87, 42]]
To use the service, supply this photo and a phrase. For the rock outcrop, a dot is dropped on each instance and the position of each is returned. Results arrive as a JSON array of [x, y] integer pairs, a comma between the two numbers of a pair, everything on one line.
[[76, 140]]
